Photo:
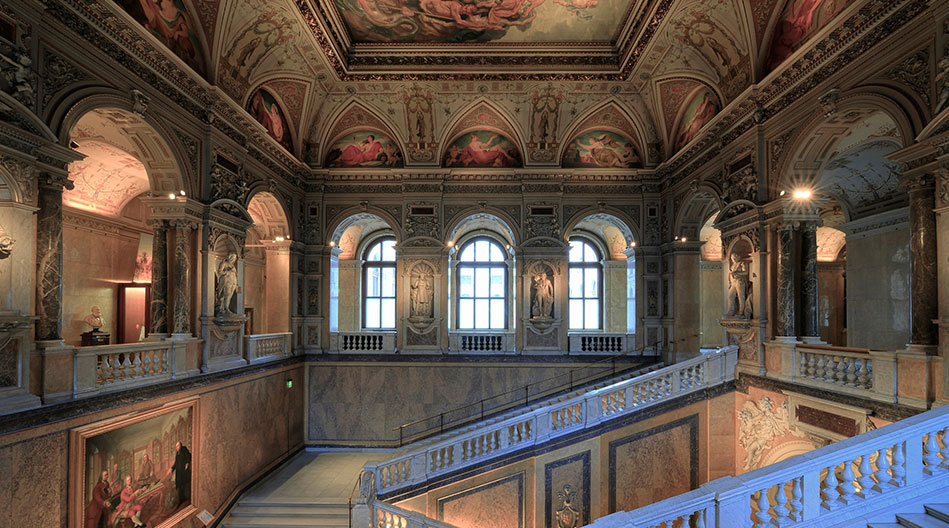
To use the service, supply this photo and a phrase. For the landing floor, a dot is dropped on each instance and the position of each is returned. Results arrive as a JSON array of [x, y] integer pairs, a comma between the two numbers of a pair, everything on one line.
[[314, 477]]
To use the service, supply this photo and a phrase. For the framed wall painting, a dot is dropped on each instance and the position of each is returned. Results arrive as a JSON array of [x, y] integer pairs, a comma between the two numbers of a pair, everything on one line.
[[136, 469]]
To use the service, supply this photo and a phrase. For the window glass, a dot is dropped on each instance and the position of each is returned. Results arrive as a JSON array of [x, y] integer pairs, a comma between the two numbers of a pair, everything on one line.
[[482, 286], [583, 286], [379, 285]]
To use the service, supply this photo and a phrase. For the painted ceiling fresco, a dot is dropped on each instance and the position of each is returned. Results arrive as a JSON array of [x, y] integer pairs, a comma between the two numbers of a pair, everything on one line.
[[482, 149], [105, 180], [799, 20], [364, 148], [829, 243], [502, 21], [264, 108], [601, 149], [700, 109], [173, 25], [863, 175]]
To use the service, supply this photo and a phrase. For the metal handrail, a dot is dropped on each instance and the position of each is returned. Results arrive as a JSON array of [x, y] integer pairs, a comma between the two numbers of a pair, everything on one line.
[[353, 492], [525, 389]]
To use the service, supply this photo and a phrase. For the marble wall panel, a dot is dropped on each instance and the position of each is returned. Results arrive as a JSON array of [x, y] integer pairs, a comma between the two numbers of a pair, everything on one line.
[[255, 293], [831, 316], [388, 395], [710, 301], [567, 491], [17, 271], [654, 464], [497, 504], [34, 490], [878, 291]]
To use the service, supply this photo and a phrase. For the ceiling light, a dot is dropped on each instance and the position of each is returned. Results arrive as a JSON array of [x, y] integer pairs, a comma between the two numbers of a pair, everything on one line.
[[182, 191], [451, 243], [782, 193], [171, 196], [332, 243], [802, 194]]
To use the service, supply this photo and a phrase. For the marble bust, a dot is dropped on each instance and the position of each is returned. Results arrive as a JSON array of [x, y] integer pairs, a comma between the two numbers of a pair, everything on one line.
[[94, 319]]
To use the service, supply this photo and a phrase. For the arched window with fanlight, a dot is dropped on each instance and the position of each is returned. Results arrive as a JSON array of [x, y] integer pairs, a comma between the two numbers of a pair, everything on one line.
[[482, 286], [584, 284], [379, 285]]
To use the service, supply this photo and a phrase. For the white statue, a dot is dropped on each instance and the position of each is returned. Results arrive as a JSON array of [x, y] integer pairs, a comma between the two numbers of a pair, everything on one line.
[[226, 283], [543, 296], [738, 287], [422, 295]]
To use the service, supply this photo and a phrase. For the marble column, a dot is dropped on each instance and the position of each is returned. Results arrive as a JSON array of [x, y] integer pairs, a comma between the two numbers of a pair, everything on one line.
[[809, 308], [159, 291], [49, 257], [924, 303], [182, 313], [785, 323]]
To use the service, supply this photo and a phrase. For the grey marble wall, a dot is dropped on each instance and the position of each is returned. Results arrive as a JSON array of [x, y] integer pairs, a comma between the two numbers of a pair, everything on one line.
[[878, 290]]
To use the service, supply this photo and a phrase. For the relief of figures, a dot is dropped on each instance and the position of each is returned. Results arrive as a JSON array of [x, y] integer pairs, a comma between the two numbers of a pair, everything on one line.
[[601, 149], [699, 111], [482, 149], [170, 21], [364, 149], [267, 112]]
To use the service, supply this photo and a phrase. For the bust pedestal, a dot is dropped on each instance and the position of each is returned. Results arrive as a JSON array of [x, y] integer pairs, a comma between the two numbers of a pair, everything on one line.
[[95, 337]]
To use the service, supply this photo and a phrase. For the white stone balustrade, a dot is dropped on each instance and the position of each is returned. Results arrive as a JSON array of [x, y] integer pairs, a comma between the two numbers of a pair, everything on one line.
[[109, 368], [385, 515], [481, 342], [857, 372], [265, 347], [368, 342], [835, 367], [601, 343], [539, 423], [853, 479]]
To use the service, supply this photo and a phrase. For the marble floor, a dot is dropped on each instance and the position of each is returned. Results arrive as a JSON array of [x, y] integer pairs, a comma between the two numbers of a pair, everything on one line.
[[314, 477]]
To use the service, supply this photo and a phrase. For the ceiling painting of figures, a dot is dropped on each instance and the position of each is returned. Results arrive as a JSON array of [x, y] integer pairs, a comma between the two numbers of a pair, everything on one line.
[[105, 180], [172, 24], [482, 149], [601, 149], [364, 148], [267, 112], [799, 20], [700, 109], [444, 21]]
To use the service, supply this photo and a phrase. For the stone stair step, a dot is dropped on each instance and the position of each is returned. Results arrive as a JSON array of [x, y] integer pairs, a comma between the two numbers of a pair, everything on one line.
[[329, 502], [277, 522], [939, 511], [920, 520], [884, 525], [272, 510]]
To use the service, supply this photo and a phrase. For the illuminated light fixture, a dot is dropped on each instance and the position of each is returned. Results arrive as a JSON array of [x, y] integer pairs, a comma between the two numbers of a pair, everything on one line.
[[332, 243], [507, 247], [182, 192], [451, 243], [73, 144], [677, 237], [632, 244], [782, 193], [802, 194], [684, 239], [171, 196], [288, 237], [278, 239]]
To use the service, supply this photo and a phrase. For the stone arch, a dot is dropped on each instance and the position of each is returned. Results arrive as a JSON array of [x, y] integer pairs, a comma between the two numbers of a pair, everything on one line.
[[481, 114], [269, 215], [695, 212], [353, 215], [605, 225], [486, 218], [149, 130], [354, 115], [613, 116]]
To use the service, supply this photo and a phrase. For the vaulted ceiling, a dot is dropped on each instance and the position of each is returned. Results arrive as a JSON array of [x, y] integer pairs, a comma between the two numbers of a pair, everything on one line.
[[537, 69]]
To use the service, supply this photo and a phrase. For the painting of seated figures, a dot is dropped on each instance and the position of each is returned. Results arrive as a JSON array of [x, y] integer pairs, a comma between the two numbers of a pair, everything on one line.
[[134, 471]]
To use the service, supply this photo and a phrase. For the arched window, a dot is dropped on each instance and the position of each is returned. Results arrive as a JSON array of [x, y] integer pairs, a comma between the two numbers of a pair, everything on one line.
[[379, 285], [482, 286], [585, 286]]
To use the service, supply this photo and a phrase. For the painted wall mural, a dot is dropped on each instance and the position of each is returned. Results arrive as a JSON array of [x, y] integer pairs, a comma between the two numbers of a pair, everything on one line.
[[698, 111], [463, 21], [799, 20], [170, 21], [601, 149], [482, 149], [364, 148], [267, 112]]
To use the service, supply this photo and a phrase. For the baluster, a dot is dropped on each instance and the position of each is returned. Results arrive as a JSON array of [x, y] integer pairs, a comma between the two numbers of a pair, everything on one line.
[[931, 453], [821, 372], [438, 460], [811, 365], [944, 452], [781, 511], [851, 372], [797, 500], [830, 489], [863, 375], [762, 515], [882, 474], [866, 475], [847, 489], [698, 519], [898, 469]]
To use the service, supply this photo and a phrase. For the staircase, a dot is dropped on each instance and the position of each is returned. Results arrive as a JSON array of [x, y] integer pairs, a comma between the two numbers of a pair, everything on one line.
[[253, 512], [935, 516]]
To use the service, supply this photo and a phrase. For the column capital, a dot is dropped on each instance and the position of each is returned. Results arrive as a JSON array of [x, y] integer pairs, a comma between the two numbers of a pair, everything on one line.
[[55, 182], [919, 181]]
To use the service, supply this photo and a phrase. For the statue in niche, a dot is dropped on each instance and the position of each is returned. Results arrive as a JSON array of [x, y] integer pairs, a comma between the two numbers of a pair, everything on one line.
[[94, 319], [543, 294], [226, 283], [422, 294], [739, 287], [6, 244]]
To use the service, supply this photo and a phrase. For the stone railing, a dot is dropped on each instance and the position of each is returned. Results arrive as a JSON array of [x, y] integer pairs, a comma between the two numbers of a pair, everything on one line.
[[540, 423], [264, 347], [367, 342], [836, 366], [601, 343], [853, 479], [481, 342], [385, 515], [116, 367]]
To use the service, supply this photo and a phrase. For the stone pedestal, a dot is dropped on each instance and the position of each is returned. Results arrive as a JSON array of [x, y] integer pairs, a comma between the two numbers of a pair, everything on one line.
[[57, 360], [15, 364], [224, 347]]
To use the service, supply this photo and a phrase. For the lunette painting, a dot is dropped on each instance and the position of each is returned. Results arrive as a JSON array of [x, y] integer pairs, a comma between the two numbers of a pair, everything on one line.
[[482, 149], [364, 148], [698, 111], [135, 470], [267, 112], [601, 149]]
